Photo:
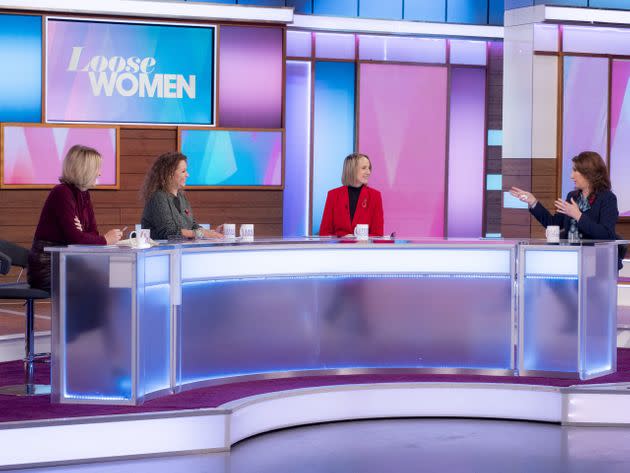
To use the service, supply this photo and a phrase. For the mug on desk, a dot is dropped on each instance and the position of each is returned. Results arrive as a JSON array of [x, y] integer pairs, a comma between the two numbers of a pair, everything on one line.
[[140, 238], [247, 231], [229, 230], [552, 232], [361, 231]]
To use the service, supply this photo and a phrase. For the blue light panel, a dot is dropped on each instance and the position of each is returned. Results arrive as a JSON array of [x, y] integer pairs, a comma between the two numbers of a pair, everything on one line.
[[333, 131], [336, 7], [390, 10], [21, 60], [467, 11], [421, 10]]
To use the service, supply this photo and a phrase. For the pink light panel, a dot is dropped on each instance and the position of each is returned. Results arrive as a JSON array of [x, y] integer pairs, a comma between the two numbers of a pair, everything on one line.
[[402, 128], [33, 155]]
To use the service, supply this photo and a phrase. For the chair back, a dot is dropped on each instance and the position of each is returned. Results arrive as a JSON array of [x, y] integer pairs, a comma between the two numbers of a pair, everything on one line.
[[5, 263], [17, 254]]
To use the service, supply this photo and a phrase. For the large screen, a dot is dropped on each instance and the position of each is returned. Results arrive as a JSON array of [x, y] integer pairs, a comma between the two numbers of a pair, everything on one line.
[[112, 72], [233, 158], [32, 155]]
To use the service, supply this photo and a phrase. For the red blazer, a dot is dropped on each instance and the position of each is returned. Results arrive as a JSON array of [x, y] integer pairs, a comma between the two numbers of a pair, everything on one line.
[[336, 218]]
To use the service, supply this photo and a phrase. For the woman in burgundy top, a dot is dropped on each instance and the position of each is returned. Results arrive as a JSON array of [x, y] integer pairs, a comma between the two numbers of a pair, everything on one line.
[[68, 217], [354, 202]]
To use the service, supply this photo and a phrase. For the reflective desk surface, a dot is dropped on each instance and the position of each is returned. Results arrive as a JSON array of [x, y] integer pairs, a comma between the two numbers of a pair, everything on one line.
[[133, 324]]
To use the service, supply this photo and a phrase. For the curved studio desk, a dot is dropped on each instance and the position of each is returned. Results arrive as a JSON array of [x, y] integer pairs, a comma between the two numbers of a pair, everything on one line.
[[130, 325]]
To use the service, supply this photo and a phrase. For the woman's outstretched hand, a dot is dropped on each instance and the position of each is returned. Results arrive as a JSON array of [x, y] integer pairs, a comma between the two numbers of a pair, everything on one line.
[[524, 196]]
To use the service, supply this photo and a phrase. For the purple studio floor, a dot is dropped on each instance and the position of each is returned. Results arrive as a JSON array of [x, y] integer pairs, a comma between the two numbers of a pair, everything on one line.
[[213, 419]]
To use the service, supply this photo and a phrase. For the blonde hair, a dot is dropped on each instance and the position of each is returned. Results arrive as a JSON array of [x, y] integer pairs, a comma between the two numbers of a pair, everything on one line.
[[81, 166], [350, 165]]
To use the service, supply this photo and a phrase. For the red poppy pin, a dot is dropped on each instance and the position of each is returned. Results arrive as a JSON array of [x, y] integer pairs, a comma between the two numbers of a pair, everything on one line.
[[364, 203], [187, 212]]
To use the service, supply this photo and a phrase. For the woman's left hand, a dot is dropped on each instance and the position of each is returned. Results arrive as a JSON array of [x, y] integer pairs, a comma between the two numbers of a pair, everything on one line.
[[568, 208], [212, 234]]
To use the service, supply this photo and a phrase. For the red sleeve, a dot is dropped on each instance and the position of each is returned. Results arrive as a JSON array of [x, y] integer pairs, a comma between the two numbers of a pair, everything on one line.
[[376, 225], [326, 227], [64, 208]]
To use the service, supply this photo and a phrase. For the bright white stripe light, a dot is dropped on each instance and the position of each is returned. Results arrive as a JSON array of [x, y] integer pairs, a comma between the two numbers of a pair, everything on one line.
[[218, 264]]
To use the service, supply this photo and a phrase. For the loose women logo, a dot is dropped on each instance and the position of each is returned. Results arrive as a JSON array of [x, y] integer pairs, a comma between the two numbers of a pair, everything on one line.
[[131, 76]]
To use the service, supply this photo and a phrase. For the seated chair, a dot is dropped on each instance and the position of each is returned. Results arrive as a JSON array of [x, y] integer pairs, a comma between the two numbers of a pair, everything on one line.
[[14, 255]]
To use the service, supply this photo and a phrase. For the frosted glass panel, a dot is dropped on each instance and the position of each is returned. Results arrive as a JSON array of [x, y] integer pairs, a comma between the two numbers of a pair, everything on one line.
[[299, 43], [545, 107], [620, 135], [402, 49], [334, 46], [546, 37], [473, 53], [585, 114], [586, 39]]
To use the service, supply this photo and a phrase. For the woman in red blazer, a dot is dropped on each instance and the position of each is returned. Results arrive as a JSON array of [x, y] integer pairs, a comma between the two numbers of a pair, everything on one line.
[[354, 202]]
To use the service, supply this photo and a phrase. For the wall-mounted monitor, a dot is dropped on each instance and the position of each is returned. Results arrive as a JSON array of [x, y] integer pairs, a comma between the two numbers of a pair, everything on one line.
[[129, 73], [233, 158], [31, 156]]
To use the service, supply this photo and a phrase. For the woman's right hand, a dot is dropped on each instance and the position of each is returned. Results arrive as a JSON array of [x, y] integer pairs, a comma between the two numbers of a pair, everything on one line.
[[113, 236], [524, 196]]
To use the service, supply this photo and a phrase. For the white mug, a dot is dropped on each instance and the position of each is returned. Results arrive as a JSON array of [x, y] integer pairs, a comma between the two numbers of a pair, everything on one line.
[[247, 231], [361, 231], [229, 230], [140, 238], [552, 232]]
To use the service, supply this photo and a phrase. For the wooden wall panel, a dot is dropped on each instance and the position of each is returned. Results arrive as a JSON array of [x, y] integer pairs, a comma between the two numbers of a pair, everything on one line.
[[494, 121], [117, 208], [515, 223]]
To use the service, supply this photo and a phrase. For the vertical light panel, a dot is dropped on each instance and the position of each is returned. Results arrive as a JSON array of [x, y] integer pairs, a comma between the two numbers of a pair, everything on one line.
[[333, 129], [620, 135], [466, 152], [250, 77], [517, 92], [402, 128], [21, 76], [545, 107], [297, 149], [585, 112]]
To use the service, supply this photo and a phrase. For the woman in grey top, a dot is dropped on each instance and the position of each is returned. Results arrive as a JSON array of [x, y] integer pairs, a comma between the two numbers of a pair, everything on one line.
[[167, 212]]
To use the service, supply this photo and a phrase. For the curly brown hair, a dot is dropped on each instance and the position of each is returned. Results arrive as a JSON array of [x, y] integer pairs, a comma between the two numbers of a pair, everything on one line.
[[591, 165], [161, 173]]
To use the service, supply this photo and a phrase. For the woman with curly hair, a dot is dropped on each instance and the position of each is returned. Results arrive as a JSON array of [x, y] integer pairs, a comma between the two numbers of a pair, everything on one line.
[[167, 212], [589, 211]]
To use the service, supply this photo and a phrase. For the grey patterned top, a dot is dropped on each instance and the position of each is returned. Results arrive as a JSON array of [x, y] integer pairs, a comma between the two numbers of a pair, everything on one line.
[[166, 215]]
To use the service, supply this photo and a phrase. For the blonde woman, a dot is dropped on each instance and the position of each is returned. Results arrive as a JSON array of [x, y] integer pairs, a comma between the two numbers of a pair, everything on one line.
[[68, 217], [354, 202]]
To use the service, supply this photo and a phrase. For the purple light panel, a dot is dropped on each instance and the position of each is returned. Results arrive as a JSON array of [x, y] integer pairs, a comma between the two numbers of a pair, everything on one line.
[[334, 46], [466, 152], [473, 53], [297, 149], [585, 116], [620, 135], [402, 49], [299, 43], [402, 128], [250, 77]]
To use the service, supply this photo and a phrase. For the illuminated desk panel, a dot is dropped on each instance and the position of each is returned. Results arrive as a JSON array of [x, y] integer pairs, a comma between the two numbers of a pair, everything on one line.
[[129, 325]]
